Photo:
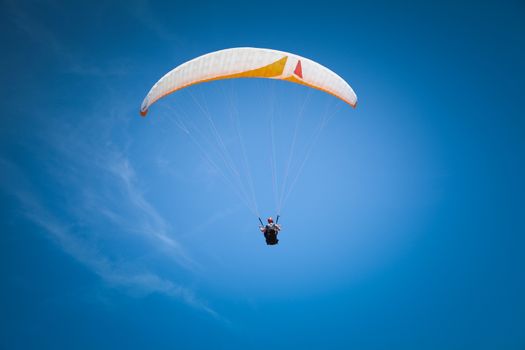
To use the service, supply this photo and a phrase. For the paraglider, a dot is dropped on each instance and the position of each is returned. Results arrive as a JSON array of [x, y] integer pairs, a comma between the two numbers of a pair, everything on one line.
[[270, 230], [248, 62]]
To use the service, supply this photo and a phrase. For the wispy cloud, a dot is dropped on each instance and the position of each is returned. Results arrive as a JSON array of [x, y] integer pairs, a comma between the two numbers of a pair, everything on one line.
[[130, 276], [88, 197], [102, 208], [101, 180], [157, 226]]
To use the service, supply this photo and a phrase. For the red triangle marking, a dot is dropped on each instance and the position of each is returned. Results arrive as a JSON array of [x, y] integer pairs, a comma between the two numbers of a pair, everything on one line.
[[298, 70]]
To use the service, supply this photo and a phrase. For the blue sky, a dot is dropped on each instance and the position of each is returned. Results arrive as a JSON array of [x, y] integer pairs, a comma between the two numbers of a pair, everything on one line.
[[404, 230]]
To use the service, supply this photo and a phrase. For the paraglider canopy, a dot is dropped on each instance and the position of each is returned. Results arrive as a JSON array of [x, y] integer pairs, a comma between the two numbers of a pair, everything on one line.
[[248, 62]]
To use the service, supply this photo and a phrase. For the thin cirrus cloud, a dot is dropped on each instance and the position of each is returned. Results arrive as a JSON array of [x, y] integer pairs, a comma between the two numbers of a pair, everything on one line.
[[103, 211], [102, 217]]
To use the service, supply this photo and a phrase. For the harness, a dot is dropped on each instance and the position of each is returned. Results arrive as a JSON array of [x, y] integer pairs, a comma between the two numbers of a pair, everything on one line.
[[270, 234]]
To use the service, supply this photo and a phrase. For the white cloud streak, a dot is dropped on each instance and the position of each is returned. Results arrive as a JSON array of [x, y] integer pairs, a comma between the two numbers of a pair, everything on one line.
[[101, 200], [131, 277]]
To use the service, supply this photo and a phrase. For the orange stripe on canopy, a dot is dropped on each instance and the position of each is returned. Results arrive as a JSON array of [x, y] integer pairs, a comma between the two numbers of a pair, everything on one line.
[[269, 71]]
